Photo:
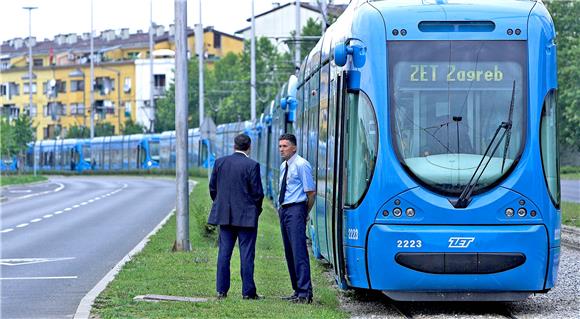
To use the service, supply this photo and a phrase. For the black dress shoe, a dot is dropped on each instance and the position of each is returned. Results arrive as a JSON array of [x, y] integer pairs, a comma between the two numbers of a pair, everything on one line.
[[305, 300], [221, 295], [253, 297], [294, 296]]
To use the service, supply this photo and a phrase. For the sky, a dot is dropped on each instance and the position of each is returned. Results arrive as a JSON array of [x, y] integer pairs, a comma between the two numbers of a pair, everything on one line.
[[74, 16]]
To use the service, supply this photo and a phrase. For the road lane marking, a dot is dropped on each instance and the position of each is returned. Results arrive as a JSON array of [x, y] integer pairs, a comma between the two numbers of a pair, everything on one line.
[[38, 278], [36, 220], [58, 189], [17, 191], [29, 261], [83, 203], [67, 209], [47, 216], [76, 206], [22, 225], [7, 230], [58, 213]]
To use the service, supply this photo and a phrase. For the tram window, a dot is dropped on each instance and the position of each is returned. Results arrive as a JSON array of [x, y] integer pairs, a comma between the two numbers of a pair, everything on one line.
[[549, 147], [447, 99], [362, 140]]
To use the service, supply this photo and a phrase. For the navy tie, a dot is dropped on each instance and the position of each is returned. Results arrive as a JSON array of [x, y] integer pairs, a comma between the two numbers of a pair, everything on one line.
[[283, 187]]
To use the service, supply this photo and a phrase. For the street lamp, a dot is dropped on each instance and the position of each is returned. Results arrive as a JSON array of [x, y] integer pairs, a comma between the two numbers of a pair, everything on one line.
[[30, 67]]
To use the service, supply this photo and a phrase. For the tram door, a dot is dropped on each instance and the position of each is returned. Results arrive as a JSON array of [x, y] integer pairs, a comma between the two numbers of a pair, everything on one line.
[[335, 169]]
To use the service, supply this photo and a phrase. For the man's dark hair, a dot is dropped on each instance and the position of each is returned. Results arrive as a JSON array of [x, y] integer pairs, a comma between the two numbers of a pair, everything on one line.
[[242, 142], [288, 137]]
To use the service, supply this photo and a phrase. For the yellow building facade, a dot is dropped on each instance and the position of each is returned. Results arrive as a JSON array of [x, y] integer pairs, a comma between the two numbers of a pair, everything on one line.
[[61, 92]]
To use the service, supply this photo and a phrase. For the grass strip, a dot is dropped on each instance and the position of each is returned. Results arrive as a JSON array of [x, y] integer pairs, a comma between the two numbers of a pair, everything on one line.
[[157, 270], [20, 179], [571, 214]]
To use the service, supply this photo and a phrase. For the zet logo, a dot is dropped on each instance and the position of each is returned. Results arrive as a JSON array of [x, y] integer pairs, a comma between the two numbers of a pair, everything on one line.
[[460, 242]]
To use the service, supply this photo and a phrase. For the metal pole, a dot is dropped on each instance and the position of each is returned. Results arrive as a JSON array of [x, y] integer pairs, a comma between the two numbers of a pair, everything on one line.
[[152, 77], [297, 54], [92, 82], [30, 70], [119, 102], [199, 41], [253, 67], [181, 102]]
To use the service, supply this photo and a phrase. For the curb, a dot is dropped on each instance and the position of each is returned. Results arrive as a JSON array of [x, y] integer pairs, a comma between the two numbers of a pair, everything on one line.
[[86, 304]]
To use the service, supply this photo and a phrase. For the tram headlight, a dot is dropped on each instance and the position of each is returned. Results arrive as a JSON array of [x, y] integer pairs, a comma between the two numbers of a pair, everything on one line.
[[509, 212], [522, 212], [410, 212], [397, 212]]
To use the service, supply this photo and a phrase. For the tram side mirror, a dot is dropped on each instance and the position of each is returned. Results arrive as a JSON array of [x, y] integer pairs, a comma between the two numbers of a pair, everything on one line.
[[358, 53]]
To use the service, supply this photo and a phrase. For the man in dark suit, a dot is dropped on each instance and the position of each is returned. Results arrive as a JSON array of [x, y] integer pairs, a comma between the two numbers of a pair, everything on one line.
[[236, 190]]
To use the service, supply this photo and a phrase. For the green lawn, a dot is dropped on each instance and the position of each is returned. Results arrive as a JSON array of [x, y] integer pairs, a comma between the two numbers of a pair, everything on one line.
[[570, 172], [20, 179], [157, 270], [571, 214]]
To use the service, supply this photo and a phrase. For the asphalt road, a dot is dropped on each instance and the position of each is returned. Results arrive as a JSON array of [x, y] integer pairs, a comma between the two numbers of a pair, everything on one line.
[[570, 190], [58, 239]]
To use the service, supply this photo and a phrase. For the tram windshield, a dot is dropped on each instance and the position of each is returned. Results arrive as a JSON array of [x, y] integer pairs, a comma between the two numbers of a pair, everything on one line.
[[447, 99]]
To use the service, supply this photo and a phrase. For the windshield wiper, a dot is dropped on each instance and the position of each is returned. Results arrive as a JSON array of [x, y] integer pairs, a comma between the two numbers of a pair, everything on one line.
[[465, 197], [509, 132]]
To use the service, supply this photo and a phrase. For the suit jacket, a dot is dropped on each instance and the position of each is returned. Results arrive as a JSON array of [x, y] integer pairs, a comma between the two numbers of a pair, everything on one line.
[[236, 190]]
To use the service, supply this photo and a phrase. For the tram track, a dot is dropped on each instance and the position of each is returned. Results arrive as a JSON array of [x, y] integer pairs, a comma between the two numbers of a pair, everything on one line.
[[570, 237]]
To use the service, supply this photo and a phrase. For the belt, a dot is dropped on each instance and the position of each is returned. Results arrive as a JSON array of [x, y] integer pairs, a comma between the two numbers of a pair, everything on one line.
[[293, 204]]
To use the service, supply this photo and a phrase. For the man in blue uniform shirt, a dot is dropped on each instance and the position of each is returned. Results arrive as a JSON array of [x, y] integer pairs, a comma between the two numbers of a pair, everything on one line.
[[297, 191], [236, 190]]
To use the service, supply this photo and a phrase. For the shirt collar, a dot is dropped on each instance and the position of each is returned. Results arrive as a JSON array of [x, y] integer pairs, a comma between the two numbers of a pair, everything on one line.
[[246, 155], [292, 159]]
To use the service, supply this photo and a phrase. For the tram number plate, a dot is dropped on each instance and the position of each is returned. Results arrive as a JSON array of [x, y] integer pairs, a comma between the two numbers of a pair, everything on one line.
[[409, 243]]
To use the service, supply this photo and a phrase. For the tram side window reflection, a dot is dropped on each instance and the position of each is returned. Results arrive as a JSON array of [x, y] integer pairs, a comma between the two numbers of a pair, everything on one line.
[[549, 147], [362, 140]]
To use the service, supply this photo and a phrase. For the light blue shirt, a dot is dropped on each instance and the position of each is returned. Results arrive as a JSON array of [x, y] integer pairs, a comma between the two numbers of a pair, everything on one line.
[[299, 179]]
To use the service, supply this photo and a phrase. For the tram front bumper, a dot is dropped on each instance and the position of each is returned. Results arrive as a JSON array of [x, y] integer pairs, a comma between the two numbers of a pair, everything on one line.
[[448, 258]]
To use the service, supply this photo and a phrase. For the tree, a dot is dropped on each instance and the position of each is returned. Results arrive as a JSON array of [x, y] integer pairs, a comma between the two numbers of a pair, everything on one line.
[[104, 129], [6, 140], [565, 14], [78, 131], [131, 127]]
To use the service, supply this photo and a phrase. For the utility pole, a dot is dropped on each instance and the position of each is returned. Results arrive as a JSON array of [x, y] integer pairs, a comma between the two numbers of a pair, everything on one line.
[[152, 77], [199, 48], [253, 67], [297, 58], [181, 102], [92, 82], [30, 69]]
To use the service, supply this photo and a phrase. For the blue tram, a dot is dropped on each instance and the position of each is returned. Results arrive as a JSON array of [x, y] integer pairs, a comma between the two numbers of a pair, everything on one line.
[[431, 128]]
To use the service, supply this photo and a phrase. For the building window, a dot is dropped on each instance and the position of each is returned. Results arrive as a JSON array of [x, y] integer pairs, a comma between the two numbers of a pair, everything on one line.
[[37, 62], [159, 88], [30, 110], [77, 109], [3, 89], [25, 87], [54, 110], [77, 85], [217, 40], [127, 85], [4, 64], [133, 55], [104, 85]]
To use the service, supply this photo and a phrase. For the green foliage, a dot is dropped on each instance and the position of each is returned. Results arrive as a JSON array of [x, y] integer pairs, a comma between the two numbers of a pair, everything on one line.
[[14, 135], [78, 131], [227, 86], [131, 127], [311, 29], [566, 15], [21, 179], [104, 129]]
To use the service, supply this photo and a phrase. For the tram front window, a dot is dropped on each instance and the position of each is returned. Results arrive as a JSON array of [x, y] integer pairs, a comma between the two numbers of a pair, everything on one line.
[[447, 99]]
